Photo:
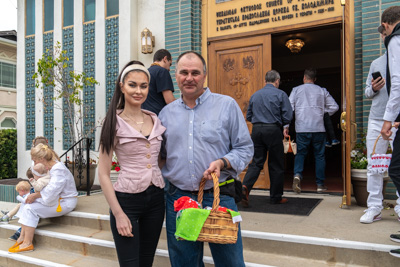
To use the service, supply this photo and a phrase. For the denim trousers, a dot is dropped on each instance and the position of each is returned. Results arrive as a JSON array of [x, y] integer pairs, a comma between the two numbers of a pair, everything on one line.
[[146, 211], [317, 142], [188, 253]]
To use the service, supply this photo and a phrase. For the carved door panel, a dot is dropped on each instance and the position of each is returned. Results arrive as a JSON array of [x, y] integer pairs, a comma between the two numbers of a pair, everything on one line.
[[237, 68]]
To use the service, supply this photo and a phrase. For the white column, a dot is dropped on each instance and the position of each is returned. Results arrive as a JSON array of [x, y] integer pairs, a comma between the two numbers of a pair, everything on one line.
[[100, 69], [58, 114], [128, 31], [23, 154], [78, 35], [38, 55]]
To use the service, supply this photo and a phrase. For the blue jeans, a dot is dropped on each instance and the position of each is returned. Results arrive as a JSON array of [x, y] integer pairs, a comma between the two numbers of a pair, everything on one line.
[[188, 253], [317, 141]]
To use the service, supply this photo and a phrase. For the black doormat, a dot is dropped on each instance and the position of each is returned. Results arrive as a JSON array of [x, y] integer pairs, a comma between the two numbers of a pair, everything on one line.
[[294, 206]]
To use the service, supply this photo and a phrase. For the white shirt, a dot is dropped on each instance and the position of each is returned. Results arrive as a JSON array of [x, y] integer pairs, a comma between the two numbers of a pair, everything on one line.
[[61, 185], [310, 102], [393, 105]]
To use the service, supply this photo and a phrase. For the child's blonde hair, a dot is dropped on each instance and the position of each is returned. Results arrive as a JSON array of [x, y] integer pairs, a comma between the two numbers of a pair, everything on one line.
[[23, 185], [40, 168], [39, 140], [43, 152]]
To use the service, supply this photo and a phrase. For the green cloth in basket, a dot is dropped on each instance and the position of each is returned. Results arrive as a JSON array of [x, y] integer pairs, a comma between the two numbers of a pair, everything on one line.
[[189, 223]]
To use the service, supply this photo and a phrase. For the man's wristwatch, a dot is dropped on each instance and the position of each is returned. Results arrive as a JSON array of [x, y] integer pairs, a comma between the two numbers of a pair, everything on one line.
[[225, 163]]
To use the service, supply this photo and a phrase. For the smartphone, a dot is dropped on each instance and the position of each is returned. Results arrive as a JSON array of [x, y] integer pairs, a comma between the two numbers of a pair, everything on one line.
[[376, 75]]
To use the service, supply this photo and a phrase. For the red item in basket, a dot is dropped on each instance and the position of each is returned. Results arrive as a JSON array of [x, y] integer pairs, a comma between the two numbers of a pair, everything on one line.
[[185, 203]]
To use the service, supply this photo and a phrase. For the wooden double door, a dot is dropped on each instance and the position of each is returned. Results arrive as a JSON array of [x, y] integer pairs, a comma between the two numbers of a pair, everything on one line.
[[237, 68]]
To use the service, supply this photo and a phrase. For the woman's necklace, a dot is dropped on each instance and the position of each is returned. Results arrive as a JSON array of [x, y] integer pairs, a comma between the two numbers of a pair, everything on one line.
[[137, 122]]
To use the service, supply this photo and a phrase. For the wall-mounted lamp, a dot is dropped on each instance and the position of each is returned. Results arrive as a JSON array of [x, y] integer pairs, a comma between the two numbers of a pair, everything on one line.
[[295, 45], [147, 41]]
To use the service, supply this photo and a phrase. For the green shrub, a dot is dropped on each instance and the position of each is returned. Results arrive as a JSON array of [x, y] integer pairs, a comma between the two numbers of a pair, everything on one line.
[[8, 153]]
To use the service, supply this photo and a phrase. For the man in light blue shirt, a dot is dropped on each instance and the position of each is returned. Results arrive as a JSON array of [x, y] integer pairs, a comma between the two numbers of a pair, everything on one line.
[[310, 102], [206, 132]]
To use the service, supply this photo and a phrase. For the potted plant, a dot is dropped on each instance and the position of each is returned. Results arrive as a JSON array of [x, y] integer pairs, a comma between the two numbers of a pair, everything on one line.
[[53, 70], [359, 163], [115, 168]]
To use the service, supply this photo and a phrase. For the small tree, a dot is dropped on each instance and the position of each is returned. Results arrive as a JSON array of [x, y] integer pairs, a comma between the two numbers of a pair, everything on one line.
[[68, 85]]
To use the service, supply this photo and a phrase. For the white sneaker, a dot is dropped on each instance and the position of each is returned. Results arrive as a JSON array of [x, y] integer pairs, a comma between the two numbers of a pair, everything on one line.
[[370, 216]]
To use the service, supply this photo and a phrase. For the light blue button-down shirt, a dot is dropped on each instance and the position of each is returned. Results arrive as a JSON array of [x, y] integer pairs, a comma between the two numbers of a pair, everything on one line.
[[310, 102], [195, 137]]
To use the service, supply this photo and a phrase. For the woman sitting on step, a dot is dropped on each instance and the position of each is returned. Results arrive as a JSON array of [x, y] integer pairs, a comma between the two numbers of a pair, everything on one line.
[[137, 198], [56, 199]]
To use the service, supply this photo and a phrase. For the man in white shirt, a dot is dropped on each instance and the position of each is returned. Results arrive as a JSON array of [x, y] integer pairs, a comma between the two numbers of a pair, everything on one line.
[[391, 22], [376, 90], [309, 102]]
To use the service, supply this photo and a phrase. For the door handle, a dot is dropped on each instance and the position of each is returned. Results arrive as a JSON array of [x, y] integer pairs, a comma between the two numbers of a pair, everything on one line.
[[343, 121]]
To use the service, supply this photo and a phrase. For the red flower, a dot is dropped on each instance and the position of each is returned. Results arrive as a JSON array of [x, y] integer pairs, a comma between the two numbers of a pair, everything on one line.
[[117, 169]]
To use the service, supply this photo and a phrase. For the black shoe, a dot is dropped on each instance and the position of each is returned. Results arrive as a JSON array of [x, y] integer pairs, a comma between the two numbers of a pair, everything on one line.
[[245, 197], [15, 236], [395, 237], [395, 252]]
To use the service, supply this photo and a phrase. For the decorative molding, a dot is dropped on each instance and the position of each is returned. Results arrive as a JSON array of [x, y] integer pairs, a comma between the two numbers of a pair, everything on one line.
[[30, 90], [68, 45], [48, 94], [89, 120], [238, 79], [9, 56], [248, 62], [112, 56], [229, 64]]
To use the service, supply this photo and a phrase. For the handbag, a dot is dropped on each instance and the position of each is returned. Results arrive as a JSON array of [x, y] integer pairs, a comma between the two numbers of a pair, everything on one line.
[[289, 146], [379, 162]]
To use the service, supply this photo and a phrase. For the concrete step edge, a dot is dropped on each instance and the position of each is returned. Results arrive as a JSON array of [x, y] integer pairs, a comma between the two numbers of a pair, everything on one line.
[[30, 260], [104, 243], [279, 237], [338, 243]]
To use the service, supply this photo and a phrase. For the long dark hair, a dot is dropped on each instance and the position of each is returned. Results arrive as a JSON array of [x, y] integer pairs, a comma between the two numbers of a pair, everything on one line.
[[117, 102]]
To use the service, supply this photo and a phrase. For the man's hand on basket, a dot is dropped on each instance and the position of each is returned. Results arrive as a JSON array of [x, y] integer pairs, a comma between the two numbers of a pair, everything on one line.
[[396, 125], [386, 130], [215, 166]]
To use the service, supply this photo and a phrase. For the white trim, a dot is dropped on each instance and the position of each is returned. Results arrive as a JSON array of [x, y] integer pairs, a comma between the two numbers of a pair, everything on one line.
[[104, 243], [38, 54], [30, 260], [8, 42], [24, 159], [7, 59], [281, 237], [8, 89], [57, 113], [337, 243], [100, 69], [78, 214]]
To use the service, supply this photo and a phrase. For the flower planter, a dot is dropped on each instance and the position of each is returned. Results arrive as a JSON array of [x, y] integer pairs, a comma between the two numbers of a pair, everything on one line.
[[82, 185], [359, 181], [113, 176]]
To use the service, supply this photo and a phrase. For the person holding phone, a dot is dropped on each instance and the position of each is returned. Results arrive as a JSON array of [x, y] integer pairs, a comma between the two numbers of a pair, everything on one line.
[[376, 90]]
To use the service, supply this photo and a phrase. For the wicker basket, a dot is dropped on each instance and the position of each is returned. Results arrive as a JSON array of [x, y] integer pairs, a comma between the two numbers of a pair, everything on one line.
[[218, 228]]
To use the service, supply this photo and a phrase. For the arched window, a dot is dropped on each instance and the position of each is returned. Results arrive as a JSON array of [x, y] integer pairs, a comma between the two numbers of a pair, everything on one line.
[[8, 123]]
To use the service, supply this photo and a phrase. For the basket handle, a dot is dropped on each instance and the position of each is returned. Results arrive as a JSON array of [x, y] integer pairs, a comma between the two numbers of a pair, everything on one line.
[[216, 191], [376, 141]]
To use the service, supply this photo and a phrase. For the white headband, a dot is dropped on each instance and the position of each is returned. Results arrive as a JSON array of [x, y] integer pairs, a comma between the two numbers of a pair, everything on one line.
[[134, 67], [38, 174]]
